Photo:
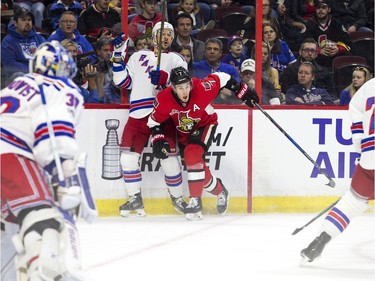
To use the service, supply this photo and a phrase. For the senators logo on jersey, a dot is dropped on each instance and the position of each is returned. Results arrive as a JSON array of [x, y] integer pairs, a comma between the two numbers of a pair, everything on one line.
[[186, 123]]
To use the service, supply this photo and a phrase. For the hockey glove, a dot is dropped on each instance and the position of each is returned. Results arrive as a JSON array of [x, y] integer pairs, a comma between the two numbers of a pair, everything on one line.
[[160, 146], [159, 77], [120, 48], [247, 95]]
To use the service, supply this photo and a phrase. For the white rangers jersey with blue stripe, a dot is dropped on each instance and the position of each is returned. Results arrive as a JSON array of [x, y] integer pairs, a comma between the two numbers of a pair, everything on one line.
[[23, 119], [135, 75], [362, 113]]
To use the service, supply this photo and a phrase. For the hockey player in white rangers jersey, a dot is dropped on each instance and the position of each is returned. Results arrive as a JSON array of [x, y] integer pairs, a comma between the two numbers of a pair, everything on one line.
[[354, 201], [39, 112], [140, 74]]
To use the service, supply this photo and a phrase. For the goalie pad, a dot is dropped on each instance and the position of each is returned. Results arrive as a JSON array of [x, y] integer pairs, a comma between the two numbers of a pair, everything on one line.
[[47, 247], [8, 252], [87, 209], [39, 229]]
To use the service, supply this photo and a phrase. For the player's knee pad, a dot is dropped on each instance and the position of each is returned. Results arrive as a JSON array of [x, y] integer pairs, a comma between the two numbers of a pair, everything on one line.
[[47, 247], [353, 204], [129, 160], [37, 245], [193, 154], [171, 165]]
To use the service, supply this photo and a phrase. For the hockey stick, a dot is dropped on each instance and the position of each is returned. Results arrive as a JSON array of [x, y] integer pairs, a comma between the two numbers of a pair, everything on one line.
[[315, 218], [160, 44], [331, 183], [39, 81]]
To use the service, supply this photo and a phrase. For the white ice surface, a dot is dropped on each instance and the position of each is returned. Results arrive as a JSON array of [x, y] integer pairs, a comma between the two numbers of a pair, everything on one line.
[[224, 248]]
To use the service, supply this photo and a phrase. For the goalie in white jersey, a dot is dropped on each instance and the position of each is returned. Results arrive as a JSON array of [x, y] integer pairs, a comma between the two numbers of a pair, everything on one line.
[[39, 112], [142, 76], [355, 201]]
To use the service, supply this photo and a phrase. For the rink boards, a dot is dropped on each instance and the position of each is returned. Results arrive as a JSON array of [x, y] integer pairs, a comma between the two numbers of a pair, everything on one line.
[[262, 169]]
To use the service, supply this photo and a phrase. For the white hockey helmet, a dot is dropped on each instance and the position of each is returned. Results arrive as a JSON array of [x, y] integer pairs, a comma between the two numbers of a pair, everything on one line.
[[52, 59], [157, 26]]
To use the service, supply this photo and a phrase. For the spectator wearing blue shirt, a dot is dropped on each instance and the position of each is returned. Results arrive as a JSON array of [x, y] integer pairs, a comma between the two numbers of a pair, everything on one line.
[[19, 45], [213, 53], [235, 57], [68, 30], [281, 55], [61, 6]]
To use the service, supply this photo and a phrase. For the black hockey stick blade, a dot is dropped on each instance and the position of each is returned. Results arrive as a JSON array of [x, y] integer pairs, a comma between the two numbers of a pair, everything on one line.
[[298, 230], [316, 217], [331, 183]]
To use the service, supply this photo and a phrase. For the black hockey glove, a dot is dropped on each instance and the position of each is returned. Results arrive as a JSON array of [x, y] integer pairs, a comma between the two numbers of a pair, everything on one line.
[[247, 95], [160, 146], [242, 91]]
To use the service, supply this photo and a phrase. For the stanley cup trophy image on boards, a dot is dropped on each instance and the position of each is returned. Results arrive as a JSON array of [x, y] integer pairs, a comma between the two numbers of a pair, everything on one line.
[[111, 166]]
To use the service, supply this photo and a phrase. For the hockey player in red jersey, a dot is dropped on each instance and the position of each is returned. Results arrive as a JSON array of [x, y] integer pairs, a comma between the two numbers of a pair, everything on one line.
[[188, 104], [39, 112], [355, 200], [142, 76]]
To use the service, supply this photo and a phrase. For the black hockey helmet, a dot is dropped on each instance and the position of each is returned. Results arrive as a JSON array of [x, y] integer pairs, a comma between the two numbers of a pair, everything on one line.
[[179, 75]]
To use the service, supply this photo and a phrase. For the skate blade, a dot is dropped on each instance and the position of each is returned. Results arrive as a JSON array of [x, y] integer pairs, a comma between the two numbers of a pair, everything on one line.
[[194, 216], [306, 260], [223, 212], [178, 210], [133, 213]]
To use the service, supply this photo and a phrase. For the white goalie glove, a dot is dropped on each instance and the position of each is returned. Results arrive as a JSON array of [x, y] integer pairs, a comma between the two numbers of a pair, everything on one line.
[[74, 191], [120, 48]]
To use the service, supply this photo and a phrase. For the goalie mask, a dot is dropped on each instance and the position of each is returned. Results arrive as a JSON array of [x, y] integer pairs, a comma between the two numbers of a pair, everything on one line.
[[52, 59], [168, 34]]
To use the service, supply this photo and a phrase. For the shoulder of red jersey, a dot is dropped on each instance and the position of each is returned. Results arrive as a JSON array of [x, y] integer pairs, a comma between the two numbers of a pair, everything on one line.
[[163, 95], [208, 83]]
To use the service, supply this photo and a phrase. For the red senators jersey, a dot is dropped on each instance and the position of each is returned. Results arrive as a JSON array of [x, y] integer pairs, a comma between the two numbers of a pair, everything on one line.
[[196, 113]]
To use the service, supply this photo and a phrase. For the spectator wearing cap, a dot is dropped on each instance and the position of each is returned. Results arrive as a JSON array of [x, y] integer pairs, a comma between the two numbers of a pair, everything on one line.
[[61, 6], [68, 30], [95, 17], [235, 57], [212, 63], [328, 32], [184, 28], [351, 14], [19, 45], [305, 93], [37, 7], [247, 74]]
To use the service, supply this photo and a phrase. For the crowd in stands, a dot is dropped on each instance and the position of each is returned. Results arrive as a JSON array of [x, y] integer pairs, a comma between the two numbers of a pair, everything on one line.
[[301, 41]]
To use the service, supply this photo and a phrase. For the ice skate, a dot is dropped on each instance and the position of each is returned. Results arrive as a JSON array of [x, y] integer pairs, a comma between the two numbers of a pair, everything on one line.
[[193, 211], [316, 247], [133, 207], [179, 204], [222, 200]]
